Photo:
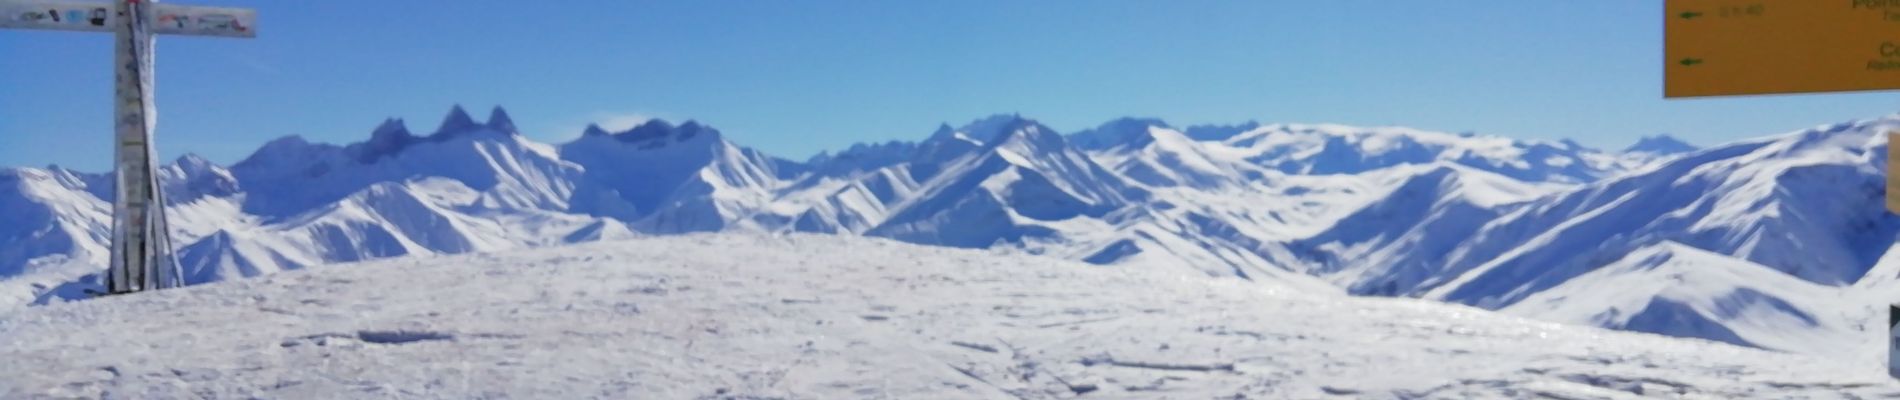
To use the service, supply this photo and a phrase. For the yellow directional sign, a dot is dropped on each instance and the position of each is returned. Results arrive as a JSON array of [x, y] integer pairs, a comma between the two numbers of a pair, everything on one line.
[[1893, 174], [1741, 47]]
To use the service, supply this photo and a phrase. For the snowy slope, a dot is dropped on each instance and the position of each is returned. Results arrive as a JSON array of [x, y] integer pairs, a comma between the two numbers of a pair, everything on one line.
[[53, 231], [1339, 149], [1159, 156], [739, 316], [1530, 228], [1370, 231], [1150, 195], [941, 179], [1022, 185], [863, 157], [468, 187], [1394, 244], [846, 205], [1350, 205], [290, 176], [385, 220], [1654, 149], [1672, 289], [1807, 204], [861, 187], [1115, 133], [1660, 145], [48, 213], [1758, 242], [1477, 220], [673, 179]]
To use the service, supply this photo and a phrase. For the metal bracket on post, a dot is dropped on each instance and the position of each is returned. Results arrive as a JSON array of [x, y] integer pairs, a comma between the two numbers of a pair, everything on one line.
[[1893, 206], [1893, 340], [1893, 172]]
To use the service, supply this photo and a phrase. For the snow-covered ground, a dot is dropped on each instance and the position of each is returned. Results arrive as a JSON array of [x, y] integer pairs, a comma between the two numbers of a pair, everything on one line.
[[749, 316]]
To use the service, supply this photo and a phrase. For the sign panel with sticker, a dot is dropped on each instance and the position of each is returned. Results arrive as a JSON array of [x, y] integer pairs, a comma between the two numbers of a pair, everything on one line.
[[204, 21], [59, 15]]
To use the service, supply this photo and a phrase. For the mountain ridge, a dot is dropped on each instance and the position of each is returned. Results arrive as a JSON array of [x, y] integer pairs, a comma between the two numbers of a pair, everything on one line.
[[1381, 211]]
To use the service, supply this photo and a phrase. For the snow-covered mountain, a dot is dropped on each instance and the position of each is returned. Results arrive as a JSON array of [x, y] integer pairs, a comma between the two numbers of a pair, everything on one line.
[[1759, 242], [1660, 145], [289, 175], [745, 316], [1012, 188], [1403, 239], [55, 232], [1156, 155], [1781, 216], [1674, 289], [1755, 242], [1651, 149], [1337, 149], [1807, 204], [673, 179], [466, 187]]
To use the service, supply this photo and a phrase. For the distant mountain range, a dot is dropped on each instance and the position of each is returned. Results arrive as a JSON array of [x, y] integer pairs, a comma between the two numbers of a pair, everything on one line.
[[1759, 242]]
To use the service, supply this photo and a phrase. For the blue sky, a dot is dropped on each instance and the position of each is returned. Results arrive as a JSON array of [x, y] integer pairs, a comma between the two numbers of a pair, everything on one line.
[[796, 77]]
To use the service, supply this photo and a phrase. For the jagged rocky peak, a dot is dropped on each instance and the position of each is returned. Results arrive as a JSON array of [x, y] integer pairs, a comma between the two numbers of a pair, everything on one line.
[[276, 148], [944, 131], [988, 129], [192, 162], [390, 130], [693, 128], [943, 145], [499, 120], [393, 135], [285, 142], [865, 156], [987, 132], [651, 129], [284, 150], [879, 147], [388, 138], [197, 177], [822, 157], [457, 121], [656, 132], [1218, 132], [1662, 144], [594, 130], [1131, 124], [1030, 131], [863, 149], [1118, 132]]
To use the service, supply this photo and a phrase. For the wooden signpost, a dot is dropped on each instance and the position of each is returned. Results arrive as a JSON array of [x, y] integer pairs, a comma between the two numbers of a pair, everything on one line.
[[142, 256], [1750, 47]]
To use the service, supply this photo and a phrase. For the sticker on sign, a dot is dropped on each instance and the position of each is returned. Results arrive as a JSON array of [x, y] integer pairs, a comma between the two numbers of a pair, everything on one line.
[[57, 15], [204, 21]]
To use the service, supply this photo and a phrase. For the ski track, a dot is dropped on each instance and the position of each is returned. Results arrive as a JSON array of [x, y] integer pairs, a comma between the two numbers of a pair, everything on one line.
[[740, 316]]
